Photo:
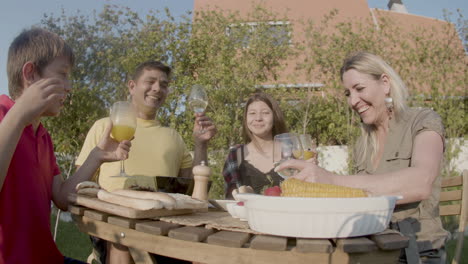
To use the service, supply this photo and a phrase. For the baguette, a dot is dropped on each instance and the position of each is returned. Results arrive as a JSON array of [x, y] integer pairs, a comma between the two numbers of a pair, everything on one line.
[[186, 202], [135, 203], [87, 184], [167, 201]]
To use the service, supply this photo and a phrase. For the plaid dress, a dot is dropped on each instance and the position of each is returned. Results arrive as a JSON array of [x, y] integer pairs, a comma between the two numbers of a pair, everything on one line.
[[241, 172], [231, 171]]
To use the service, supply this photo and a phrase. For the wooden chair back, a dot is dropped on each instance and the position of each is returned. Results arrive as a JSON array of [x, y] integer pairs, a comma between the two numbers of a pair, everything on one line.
[[460, 208]]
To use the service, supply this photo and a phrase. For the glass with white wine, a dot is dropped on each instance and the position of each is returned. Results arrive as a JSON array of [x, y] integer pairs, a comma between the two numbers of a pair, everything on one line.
[[123, 119], [198, 100], [309, 146], [286, 146]]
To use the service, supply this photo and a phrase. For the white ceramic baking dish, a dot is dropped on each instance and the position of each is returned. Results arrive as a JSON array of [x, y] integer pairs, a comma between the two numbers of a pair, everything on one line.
[[318, 217]]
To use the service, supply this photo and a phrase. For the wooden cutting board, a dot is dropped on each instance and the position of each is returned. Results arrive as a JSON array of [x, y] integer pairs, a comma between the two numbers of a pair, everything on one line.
[[96, 204]]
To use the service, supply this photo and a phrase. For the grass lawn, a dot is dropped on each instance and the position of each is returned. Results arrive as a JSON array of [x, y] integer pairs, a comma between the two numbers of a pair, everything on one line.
[[75, 244], [70, 241], [451, 251]]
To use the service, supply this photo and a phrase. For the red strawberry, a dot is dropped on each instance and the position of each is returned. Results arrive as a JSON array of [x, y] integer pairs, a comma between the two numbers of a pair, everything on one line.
[[273, 191], [240, 203]]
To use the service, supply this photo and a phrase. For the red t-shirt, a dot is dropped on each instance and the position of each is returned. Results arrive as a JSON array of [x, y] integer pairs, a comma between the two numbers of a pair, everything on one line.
[[25, 198]]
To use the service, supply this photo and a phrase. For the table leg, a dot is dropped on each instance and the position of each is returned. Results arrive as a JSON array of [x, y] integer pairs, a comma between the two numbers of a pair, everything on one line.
[[142, 257]]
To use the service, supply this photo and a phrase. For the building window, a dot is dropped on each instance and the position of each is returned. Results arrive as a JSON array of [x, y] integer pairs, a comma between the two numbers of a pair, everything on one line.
[[243, 33]]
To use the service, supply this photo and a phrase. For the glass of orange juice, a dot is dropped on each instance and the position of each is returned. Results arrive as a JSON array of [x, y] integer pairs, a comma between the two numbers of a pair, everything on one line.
[[309, 146], [123, 118]]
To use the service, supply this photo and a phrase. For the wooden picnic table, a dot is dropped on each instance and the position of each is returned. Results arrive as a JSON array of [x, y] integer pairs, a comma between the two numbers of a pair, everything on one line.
[[209, 245]]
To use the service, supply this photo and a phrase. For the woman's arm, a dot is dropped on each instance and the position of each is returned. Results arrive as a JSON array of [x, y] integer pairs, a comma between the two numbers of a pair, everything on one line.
[[413, 183]]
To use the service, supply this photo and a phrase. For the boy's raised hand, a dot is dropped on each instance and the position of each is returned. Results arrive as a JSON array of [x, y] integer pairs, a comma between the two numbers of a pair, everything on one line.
[[42, 94]]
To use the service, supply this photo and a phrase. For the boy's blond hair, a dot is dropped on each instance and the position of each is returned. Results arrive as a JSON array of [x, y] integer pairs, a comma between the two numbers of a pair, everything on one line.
[[35, 45]]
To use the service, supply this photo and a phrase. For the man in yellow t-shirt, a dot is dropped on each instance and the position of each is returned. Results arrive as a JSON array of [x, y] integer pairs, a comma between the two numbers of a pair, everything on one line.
[[156, 150]]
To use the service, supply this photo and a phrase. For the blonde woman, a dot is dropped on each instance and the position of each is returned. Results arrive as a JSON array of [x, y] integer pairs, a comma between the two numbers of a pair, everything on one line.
[[399, 153]]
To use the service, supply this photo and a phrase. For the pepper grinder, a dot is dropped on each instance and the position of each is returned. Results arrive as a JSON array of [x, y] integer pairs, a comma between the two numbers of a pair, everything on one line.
[[201, 175]]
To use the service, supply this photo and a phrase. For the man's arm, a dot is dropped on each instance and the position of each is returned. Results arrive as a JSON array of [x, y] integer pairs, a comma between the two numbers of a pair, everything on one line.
[[187, 173], [200, 154]]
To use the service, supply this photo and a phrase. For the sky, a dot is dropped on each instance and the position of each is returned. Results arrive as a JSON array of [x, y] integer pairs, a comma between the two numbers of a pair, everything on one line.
[[16, 15]]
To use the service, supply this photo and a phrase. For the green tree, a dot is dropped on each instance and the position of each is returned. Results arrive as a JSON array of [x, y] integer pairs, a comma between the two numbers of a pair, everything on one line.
[[110, 44], [219, 49], [431, 62]]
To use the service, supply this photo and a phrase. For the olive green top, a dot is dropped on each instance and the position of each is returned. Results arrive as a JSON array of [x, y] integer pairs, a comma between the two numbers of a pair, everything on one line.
[[423, 215]]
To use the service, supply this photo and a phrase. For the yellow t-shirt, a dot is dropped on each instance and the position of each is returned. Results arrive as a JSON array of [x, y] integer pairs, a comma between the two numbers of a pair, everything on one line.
[[155, 151]]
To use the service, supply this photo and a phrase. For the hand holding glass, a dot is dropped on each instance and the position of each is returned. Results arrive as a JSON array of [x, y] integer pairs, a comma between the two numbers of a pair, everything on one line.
[[285, 147], [123, 119], [198, 100]]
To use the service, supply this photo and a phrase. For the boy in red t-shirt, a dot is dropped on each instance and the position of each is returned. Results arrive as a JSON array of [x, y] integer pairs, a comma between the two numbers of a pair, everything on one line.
[[39, 64]]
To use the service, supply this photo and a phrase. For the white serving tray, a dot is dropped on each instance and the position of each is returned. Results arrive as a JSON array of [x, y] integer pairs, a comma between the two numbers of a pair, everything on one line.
[[318, 217]]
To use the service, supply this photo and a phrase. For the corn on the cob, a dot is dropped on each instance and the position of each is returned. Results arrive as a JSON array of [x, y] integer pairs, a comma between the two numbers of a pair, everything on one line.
[[297, 188]]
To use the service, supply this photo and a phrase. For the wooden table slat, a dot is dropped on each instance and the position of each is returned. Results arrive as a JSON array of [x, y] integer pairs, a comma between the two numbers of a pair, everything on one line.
[[123, 221], [159, 228], [228, 239], [390, 241], [267, 242], [305, 245], [76, 209], [190, 233], [96, 215], [356, 245]]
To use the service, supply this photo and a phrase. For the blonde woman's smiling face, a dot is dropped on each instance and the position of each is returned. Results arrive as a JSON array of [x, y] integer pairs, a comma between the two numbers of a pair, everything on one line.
[[366, 96]]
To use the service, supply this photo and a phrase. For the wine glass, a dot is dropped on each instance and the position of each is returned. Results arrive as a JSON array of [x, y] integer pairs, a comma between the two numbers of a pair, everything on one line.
[[286, 146], [309, 146], [198, 100], [123, 118]]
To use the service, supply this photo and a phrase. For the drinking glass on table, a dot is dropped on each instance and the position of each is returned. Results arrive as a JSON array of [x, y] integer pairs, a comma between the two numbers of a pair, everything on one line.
[[123, 119], [286, 146], [309, 146], [198, 101]]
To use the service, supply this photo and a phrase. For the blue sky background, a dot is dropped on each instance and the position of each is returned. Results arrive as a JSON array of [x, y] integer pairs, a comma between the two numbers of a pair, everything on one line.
[[15, 15]]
